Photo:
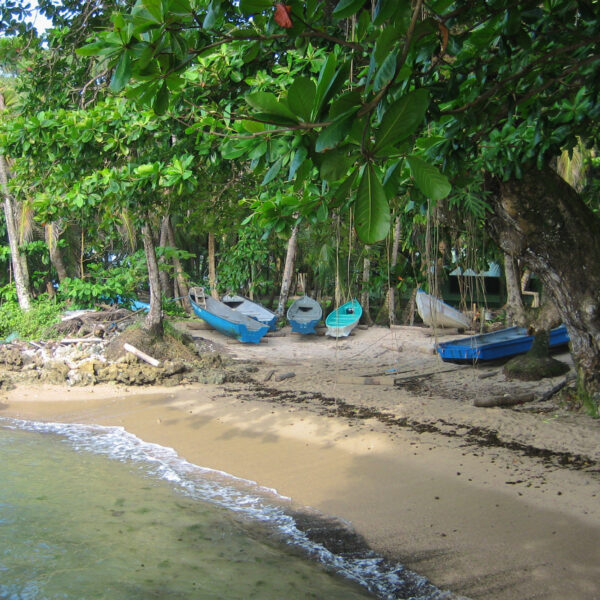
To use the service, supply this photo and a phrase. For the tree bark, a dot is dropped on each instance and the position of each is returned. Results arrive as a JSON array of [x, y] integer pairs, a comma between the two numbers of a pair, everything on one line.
[[21, 279], [364, 295], [179, 272], [288, 271], [163, 275], [515, 311], [212, 266], [153, 322], [544, 220], [391, 295], [51, 235]]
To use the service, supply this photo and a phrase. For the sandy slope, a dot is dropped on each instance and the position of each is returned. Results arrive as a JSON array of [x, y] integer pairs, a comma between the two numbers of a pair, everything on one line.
[[491, 503]]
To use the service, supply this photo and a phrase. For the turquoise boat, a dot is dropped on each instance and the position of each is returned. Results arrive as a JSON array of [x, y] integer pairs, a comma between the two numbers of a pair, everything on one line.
[[226, 320], [344, 319]]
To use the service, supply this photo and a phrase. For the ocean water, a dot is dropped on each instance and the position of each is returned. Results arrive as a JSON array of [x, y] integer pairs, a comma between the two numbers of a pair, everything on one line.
[[89, 512]]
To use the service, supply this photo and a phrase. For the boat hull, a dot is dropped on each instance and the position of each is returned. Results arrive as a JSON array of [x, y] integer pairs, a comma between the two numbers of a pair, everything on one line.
[[252, 309], [241, 331], [435, 313], [343, 320], [304, 327], [497, 345], [304, 315]]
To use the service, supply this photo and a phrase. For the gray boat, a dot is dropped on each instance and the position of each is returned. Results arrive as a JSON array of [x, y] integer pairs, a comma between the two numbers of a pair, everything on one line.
[[304, 314], [251, 309]]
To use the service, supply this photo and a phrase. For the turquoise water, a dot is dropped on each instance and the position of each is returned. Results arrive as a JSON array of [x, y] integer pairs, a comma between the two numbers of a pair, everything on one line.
[[95, 513]]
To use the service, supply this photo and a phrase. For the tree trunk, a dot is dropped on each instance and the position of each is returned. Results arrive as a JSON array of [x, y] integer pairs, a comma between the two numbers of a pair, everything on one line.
[[163, 274], [179, 273], [21, 279], [391, 295], [515, 311], [288, 271], [212, 266], [364, 295], [543, 220], [153, 322], [51, 235]]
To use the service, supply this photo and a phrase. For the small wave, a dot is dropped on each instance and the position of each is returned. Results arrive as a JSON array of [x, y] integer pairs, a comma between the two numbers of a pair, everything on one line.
[[384, 579]]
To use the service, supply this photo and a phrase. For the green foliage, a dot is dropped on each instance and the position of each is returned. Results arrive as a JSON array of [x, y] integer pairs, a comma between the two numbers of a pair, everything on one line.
[[30, 325], [244, 267], [104, 283]]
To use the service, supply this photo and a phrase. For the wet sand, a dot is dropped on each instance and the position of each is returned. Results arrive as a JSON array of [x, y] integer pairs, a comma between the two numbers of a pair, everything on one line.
[[483, 520]]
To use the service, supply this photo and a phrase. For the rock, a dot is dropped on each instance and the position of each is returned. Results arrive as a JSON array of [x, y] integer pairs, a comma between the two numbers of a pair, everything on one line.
[[55, 372]]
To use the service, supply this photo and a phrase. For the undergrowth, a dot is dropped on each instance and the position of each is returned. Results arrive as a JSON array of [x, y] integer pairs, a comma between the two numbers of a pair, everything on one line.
[[31, 325]]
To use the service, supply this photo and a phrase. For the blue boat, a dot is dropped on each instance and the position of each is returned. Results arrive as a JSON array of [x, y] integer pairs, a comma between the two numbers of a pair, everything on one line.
[[496, 345], [226, 320], [251, 309], [344, 319], [304, 314]]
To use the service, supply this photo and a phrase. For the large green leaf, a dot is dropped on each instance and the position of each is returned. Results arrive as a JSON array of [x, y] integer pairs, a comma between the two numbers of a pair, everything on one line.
[[249, 7], [121, 74], [336, 163], [273, 171], [333, 134], [402, 119], [267, 103], [428, 178], [161, 103], [299, 158], [155, 8], [372, 212], [386, 72], [385, 9], [301, 97], [346, 8]]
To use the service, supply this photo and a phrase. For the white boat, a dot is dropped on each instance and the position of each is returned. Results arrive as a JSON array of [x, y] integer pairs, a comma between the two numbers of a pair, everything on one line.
[[436, 313]]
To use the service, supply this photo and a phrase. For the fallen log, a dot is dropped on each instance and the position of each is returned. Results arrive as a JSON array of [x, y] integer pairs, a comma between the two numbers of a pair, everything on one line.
[[141, 355], [285, 376], [503, 401]]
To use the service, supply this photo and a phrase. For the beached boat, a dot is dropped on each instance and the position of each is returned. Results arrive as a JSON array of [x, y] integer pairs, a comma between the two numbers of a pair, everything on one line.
[[344, 319], [304, 314], [226, 320], [251, 309], [497, 344], [436, 313]]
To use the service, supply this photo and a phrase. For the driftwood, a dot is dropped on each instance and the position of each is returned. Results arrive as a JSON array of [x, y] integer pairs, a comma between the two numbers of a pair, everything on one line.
[[365, 380], [559, 386], [269, 375], [401, 380], [85, 340], [487, 374], [275, 334], [142, 355], [502, 401], [285, 376]]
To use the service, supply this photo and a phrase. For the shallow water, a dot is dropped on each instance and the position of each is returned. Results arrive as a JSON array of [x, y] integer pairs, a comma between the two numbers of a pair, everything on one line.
[[95, 513]]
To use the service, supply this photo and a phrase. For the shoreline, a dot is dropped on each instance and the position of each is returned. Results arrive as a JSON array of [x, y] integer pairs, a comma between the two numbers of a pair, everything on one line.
[[463, 533], [417, 474]]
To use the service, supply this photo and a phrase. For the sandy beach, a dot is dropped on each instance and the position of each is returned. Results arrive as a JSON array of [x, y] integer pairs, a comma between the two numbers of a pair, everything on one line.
[[374, 429]]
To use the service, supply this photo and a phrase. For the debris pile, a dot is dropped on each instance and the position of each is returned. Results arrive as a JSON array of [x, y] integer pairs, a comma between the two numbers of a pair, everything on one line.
[[98, 347]]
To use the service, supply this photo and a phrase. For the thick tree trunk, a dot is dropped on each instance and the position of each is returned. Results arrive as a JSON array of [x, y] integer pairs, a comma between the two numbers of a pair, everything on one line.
[[165, 284], [212, 266], [153, 322], [179, 272], [21, 279], [51, 235], [543, 220], [288, 271], [391, 294], [515, 311]]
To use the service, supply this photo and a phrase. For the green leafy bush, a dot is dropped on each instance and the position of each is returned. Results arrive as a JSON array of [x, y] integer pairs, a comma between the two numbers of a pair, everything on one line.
[[32, 324]]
